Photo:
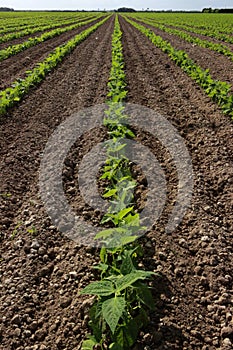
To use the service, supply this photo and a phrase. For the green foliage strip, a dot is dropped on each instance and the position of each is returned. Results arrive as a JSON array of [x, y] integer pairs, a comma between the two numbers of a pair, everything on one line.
[[12, 95], [220, 48], [15, 49], [122, 298], [218, 91], [38, 28]]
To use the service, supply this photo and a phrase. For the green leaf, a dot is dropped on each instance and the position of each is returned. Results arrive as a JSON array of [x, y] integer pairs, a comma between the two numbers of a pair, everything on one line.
[[133, 220], [133, 327], [106, 218], [112, 311], [128, 280], [119, 337], [106, 175], [118, 242], [94, 323], [124, 212], [103, 254], [110, 193], [127, 265], [110, 232], [115, 346], [102, 267], [88, 344], [101, 288], [127, 335], [128, 240], [144, 295]]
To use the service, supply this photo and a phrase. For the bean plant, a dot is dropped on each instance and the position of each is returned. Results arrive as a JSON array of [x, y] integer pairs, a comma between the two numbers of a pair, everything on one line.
[[122, 298]]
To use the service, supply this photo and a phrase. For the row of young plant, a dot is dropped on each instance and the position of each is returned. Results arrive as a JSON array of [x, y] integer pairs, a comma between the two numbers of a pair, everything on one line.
[[31, 30], [15, 49], [122, 298], [17, 25], [218, 91], [20, 19], [215, 34], [214, 28], [38, 28], [212, 33], [14, 94], [217, 24], [37, 22], [220, 48]]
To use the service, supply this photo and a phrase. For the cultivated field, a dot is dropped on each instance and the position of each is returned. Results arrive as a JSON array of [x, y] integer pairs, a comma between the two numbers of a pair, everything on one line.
[[53, 65]]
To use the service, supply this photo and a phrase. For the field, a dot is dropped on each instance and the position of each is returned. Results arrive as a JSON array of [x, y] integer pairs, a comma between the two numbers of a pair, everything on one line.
[[53, 65]]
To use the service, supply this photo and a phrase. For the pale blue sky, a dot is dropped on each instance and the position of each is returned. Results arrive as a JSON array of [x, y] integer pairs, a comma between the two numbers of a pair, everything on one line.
[[104, 4]]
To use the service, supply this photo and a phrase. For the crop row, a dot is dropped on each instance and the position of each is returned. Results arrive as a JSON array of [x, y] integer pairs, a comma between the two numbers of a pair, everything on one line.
[[220, 48], [12, 95], [6, 27], [212, 33], [220, 32], [218, 23], [36, 29], [37, 23], [122, 298], [15, 49], [8, 19], [217, 90]]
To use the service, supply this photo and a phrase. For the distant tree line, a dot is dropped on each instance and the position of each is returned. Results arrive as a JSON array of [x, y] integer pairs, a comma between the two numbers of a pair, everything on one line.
[[210, 10], [128, 9], [6, 9]]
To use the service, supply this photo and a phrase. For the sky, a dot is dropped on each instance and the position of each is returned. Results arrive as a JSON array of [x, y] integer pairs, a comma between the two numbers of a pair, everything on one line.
[[114, 4]]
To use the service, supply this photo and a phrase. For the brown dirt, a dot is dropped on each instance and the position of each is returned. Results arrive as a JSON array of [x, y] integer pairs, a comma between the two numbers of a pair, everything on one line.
[[15, 66], [42, 270]]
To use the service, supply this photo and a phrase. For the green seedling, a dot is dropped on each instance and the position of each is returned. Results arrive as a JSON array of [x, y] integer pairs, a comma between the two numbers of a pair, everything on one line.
[[5, 195], [16, 230], [32, 230], [122, 299]]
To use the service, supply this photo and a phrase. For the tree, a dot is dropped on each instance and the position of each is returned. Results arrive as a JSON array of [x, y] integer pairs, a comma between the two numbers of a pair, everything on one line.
[[125, 9], [207, 10], [6, 9]]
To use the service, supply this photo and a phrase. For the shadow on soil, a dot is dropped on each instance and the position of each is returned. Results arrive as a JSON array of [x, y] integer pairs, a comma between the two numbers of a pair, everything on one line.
[[160, 334]]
